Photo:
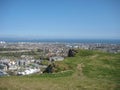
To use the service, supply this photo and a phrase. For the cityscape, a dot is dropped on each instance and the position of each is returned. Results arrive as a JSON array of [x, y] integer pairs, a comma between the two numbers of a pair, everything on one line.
[[26, 58], [59, 44]]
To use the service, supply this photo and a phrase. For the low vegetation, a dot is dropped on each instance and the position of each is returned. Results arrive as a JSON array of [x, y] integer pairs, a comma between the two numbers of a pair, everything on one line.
[[87, 70], [17, 54], [8, 49]]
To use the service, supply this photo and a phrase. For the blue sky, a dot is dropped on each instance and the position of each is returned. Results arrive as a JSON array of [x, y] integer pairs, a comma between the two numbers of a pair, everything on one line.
[[79, 19]]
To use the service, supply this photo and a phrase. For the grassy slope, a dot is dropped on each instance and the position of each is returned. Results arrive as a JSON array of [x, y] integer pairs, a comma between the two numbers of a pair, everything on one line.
[[91, 70]]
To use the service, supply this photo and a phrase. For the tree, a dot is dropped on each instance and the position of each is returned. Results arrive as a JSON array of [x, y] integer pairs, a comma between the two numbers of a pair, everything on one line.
[[50, 68], [70, 53]]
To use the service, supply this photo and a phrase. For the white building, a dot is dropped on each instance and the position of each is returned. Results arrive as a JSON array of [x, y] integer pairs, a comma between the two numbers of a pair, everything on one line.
[[56, 58]]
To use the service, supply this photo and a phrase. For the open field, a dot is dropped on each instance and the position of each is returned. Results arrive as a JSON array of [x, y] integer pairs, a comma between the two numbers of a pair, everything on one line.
[[88, 70]]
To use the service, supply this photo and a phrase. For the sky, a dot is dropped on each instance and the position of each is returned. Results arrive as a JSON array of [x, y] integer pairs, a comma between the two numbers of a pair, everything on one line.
[[60, 19]]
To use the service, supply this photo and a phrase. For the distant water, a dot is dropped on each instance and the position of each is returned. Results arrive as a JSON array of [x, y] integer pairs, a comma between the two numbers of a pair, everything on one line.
[[109, 41]]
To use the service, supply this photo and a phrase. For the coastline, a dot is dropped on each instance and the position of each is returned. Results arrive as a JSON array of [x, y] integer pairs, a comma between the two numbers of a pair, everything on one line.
[[106, 41]]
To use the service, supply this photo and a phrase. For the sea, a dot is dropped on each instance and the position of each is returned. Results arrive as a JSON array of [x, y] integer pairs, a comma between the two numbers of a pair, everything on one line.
[[107, 41]]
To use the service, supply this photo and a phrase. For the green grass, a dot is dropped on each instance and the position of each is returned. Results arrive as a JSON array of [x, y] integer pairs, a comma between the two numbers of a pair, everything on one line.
[[53, 75], [97, 71]]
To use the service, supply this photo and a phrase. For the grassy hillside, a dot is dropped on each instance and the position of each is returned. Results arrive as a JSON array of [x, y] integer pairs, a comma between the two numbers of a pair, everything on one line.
[[88, 70]]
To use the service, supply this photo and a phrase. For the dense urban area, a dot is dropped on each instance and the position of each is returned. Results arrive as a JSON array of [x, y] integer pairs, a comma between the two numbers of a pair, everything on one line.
[[24, 58]]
